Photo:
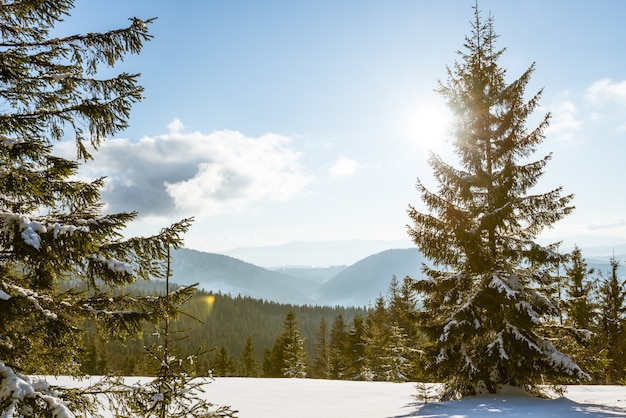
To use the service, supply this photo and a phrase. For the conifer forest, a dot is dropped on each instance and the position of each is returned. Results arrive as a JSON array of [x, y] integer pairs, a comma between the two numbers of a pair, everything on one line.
[[79, 298]]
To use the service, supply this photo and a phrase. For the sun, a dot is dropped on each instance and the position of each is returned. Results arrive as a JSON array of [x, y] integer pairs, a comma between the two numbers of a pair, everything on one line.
[[427, 124]]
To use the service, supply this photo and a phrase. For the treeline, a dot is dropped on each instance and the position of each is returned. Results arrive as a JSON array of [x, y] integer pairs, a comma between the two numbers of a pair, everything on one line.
[[593, 307], [212, 324], [242, 336], [385, 343]]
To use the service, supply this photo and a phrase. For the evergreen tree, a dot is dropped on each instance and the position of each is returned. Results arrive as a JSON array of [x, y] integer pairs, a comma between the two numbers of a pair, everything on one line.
[[321, 360], [483, 311], [271, 365], [581, 316], [223, 363], [612, 293], [294, 356], [395, 304], [249, 363], [53, 228], [174, 393], [401, 310], [288, 356], [338, 346], [356, 358], [376, 341], [396, 358], [579, 307]]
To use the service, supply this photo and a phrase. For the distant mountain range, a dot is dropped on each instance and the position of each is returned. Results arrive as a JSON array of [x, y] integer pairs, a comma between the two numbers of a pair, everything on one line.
[[356, 285]]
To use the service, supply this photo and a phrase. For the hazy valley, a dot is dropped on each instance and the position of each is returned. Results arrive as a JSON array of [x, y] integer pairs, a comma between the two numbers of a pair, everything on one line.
[[358, 284]]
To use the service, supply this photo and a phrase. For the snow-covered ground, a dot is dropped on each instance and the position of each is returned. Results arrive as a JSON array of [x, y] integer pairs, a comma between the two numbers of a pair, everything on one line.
[[308, 398]]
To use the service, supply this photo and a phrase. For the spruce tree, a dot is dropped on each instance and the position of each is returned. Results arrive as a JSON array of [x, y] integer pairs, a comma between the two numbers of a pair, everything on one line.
[[578, 304], [174, 392], [249, 364], [294, 355], [321, 359], [396, 356], [376, 341], [580, 312], [54, 230], [612, 329], [338, 346], [223, 364], [355, 356], [482, 307]]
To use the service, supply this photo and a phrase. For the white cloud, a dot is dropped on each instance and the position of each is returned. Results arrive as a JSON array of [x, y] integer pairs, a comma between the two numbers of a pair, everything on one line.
[[564, 122], [193, 173], [607, 224], [343, 167], [175, 126], [606, 90]]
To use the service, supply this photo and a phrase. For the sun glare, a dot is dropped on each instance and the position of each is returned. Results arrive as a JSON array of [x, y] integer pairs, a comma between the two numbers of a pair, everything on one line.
[[210, 301], [428, 125]]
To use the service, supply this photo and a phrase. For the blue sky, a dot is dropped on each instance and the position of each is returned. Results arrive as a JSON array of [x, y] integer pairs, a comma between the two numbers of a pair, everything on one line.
[[281, 121]]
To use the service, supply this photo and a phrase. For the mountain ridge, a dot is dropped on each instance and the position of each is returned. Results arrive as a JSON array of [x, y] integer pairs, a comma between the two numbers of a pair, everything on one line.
[[358, 284]]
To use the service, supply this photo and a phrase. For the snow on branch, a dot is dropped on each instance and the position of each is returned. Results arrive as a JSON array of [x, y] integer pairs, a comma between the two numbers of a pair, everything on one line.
[[500, 342], [114, 265], [447, 328], [525, 307], [17, 392], [541, 300], [558, 359], [10, 142], [469, 364], [31, 231], [509, 286], [34, 298], [521, 337]]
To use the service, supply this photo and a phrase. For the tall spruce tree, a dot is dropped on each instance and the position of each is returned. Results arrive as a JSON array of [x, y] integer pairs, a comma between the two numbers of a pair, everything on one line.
[[53, 227], [482, 305]]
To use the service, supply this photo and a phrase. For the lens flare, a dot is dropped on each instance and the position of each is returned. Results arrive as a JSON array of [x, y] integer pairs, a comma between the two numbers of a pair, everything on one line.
[[210, 300]]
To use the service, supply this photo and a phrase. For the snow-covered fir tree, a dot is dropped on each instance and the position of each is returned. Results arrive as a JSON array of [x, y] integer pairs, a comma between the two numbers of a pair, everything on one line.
[[396, 356], [482, 304], [53, 226], [294, 355], [175, 392]]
